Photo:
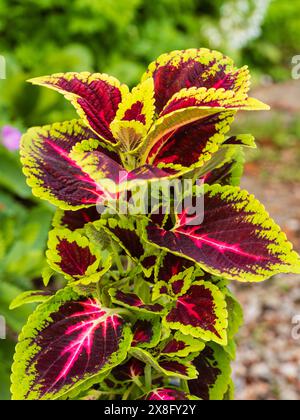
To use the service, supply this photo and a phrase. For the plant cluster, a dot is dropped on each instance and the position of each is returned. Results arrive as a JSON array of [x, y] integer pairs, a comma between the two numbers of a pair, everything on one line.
[[146, 311]]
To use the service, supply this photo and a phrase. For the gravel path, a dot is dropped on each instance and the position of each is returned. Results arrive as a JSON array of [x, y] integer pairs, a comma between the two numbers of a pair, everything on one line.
[[268, 357]]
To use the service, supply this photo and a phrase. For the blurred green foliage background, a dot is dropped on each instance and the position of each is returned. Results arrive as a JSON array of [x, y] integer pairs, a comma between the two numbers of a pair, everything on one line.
[[119, 37]]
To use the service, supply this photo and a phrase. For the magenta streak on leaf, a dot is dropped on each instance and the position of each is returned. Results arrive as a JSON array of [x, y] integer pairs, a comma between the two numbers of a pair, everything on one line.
[[80, 176], [142, 332], [167, 394], [171, 266], [220, 246], [189, 307], [195, 308], [227, 240], [186, 145], [83, 342], [222, 82], [78, 340], [66, 157], [133, 368]]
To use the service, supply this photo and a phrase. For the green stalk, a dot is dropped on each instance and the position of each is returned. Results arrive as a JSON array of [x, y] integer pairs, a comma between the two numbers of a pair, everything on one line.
[[128, 392], [140, 385], [148, 377], [184, 386], [117, 258]]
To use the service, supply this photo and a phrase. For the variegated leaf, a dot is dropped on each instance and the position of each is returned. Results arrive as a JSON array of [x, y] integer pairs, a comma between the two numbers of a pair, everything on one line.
[[68, 344], [96, 97]]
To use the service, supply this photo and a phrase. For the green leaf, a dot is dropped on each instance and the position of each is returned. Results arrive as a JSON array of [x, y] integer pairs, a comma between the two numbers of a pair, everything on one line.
[[213, 366], [181, 345], [11, 176], [74, 256], [30, 297], [232, 236], [201, 312]]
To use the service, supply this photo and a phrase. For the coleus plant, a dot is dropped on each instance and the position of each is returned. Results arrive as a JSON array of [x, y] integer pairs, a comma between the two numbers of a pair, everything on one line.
[[145, 310]]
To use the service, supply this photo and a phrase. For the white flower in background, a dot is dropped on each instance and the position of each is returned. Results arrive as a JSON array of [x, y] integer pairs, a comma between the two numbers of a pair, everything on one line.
[[240, 23]]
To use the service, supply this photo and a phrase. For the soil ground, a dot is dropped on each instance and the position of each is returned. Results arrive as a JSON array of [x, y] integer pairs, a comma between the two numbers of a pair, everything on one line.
[[268, 357]]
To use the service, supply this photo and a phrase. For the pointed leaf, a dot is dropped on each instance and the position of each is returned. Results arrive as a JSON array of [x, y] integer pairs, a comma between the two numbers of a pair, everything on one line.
[[96, 97], [213, 365], [169, 367], [194, 68], [200, 312], [129, 371], [237, 239], [246, 140], [75, 220], [211, 98], [177, 285], [189, 146], [125, 233], [230, 169], [160, 289], [134, 116], [74, 255], [50, 170], [133, 302], [181, 345], [170, 265], [227, 164], [169, 394], [67, 344], [34, 296], [195, 105], [108, 174], [146, 333]]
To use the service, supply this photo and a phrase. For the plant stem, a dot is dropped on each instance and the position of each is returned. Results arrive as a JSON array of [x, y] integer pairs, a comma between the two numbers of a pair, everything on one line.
[[129, 161], [117, 257], [148, 377], [140, 385], [128, 392], [184, 386]]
